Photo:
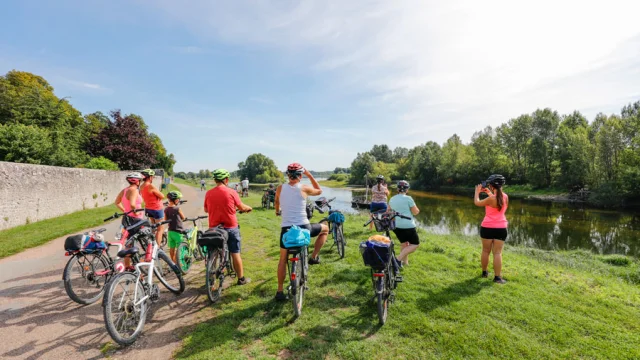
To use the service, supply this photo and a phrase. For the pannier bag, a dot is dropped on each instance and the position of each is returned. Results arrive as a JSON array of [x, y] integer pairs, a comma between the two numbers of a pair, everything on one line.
[[83, 242], [296, 237], [309, 209], [375, 253], [215, 238], [382, 222], [336, 217]]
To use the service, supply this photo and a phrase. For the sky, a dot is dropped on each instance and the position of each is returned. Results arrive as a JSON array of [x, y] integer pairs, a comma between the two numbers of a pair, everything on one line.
[[317, 81]]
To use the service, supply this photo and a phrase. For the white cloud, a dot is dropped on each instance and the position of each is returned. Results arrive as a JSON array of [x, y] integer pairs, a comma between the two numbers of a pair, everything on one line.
[[86, 85], [443, 67]]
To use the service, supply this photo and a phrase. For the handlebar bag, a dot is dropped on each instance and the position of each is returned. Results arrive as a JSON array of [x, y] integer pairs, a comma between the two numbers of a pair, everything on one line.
[[215, 238], [309, 209], [336, 217], [83, 242], [296, 237], [383, 223]]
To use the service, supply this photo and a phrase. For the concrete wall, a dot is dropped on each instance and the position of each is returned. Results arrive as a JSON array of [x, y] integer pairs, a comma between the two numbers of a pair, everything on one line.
[[30, 193]]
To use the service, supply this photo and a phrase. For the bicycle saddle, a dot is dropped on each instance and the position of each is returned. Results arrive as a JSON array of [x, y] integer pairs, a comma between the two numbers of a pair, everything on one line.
[[294, 250], [128, 252]]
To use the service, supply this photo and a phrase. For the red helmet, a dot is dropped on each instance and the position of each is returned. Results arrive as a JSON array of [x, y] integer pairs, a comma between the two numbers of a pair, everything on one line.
[[295, 169]]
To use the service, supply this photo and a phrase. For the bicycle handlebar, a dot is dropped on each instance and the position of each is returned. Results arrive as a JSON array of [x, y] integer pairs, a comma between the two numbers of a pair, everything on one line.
[[197, 218], [396, 214], [166, 203], [117, 215]]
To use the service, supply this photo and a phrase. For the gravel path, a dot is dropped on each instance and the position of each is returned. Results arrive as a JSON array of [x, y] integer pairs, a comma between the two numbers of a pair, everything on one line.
[[38, 320]]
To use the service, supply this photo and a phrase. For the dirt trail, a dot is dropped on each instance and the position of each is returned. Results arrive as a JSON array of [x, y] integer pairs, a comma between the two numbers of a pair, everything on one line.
[[38, 320]]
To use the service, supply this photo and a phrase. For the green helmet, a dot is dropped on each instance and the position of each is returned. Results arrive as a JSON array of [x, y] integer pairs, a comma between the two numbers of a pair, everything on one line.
[[174, 195], [221, 174], [147, 173]]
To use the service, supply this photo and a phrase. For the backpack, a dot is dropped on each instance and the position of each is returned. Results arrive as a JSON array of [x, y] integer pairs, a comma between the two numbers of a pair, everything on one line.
[[336, 217], [216, 237], [296, 237]]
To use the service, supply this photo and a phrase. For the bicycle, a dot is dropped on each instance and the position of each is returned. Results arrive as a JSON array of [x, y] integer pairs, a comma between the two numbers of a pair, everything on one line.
[[219, 263], [268, 198], [245, 192], [383, 272], [95, 266], [129, 295], [334, 221], [298, 269], [189, 250]]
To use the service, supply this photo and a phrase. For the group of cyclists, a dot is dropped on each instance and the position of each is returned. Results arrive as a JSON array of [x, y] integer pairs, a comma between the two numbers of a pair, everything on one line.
[[221, 203]]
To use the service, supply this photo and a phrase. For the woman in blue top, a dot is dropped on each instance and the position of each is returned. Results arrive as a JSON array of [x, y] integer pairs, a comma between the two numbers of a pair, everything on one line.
[[405, 229]]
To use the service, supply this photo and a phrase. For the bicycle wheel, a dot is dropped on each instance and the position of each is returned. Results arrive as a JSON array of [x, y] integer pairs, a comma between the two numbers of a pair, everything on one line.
[[168, 273], [163, 242], [265, 203], [80, 280], [339, 239], [198, 253], [184, 257], [124, 313], [383, 300], [297, 288], [214, 277]]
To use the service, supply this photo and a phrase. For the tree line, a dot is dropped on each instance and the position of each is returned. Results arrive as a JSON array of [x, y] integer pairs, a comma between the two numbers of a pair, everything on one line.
[[543, 149], [37, 127]]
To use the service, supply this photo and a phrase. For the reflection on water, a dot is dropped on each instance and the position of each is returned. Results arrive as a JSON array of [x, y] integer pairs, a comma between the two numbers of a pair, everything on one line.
[[551, 226]]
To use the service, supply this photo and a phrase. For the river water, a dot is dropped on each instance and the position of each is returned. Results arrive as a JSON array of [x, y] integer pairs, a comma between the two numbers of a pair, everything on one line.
[[544, 225]]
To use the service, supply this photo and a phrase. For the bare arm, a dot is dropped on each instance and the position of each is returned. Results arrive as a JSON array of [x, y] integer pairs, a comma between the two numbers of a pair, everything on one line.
[[276, 203], [181, 214], [414, 210], [118, 201], [484, 202], [314, 189], [154, 191]]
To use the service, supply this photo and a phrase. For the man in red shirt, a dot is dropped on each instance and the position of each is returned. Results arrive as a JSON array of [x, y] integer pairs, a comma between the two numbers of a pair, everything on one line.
[[221, 203]]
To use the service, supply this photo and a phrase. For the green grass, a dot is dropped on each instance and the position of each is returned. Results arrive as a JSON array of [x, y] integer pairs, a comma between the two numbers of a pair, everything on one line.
[[19, 238], [555, 305], [333, 183]]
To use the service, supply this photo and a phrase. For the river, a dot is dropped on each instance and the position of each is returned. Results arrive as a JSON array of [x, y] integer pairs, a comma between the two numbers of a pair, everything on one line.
[[543, 225]]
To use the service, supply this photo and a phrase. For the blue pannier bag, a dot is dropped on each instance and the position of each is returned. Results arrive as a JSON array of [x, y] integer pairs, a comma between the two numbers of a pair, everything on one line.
[[296, 237], [84, 243], [336, 217]]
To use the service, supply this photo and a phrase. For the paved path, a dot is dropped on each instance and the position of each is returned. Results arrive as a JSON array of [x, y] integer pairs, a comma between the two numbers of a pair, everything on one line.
[[38, 320]]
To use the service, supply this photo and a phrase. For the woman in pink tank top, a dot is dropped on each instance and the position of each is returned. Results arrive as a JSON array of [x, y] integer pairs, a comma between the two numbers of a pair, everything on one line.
[[130, 196], [493, 229]]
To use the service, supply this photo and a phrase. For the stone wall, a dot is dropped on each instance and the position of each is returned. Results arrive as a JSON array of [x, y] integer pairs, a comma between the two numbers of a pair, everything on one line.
[[30, 193]]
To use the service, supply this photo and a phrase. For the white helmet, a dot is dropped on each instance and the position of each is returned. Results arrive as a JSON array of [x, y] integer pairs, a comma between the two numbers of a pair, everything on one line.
[[134, 178]]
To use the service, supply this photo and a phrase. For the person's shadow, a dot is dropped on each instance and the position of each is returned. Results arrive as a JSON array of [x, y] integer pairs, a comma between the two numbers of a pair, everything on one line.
[[452, 293]]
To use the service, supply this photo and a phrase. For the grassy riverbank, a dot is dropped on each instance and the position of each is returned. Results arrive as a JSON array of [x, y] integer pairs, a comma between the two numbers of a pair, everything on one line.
[[20, 238], [333, 183], [555, 305]]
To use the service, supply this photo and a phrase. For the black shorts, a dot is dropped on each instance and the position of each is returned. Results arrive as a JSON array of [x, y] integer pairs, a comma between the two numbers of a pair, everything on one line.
[[493, 234], [314, 230], [407, 235]]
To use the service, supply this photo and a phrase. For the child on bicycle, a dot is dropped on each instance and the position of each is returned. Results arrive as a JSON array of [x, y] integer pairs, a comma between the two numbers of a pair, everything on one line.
[[176, 229]]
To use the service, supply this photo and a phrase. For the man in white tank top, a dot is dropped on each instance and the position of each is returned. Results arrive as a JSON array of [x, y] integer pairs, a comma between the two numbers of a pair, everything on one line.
[[291, 202]]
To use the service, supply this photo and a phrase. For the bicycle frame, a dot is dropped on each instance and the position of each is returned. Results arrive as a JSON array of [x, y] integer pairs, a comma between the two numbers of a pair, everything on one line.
[[149, 279]]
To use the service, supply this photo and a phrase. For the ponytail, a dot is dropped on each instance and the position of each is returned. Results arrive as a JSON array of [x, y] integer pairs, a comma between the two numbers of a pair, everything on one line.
[[378, 186], [499, 197]]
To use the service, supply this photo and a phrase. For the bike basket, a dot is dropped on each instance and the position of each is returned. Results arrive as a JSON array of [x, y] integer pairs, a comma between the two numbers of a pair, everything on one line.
[[296, 237], [384, 223], [375, 254], [336, 217], [214, 238]]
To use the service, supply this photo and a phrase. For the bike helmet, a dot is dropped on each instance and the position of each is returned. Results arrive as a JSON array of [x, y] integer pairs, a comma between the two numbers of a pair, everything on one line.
[[221, 174], [380, 178], [496, 180], [134, 178], [295, 170], [403, 185], [270, 186], [174, 195], [147, 173]]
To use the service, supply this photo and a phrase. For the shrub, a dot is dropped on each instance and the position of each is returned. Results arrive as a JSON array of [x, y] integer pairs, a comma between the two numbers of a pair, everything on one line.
[[101, 163], [338, 177]]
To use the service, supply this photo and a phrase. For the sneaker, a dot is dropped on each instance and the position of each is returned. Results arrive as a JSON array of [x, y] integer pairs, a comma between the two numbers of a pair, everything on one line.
[[485, 274], [499, 280], [280, 296], [400, 265], [315, 261], [244, 281]]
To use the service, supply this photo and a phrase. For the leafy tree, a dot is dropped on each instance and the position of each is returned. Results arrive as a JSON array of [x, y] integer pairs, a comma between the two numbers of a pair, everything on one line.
[[95, 122], [382, 153], [457, 159], [423, 162], [400, 153], [24, 144], [101, 163], [515, 138], [545, 125], [259, 168], [340, 170], [574, 154], [488, 155], [381, 168], [125, 142], [362, 165]]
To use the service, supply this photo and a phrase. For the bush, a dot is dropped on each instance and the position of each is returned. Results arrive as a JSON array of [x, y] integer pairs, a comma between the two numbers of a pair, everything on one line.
[[101, 163], [338, 177], [616, 260]]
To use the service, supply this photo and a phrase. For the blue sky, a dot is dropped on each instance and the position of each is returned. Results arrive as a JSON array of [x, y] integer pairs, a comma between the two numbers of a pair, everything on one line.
[[318, 81]]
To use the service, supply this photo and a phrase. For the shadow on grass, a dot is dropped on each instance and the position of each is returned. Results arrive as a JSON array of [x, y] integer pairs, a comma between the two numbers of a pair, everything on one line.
[[452, 293]]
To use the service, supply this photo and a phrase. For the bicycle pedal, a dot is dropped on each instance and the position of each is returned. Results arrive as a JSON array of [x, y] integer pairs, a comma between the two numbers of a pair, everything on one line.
[[399, 279], [392, 298]]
